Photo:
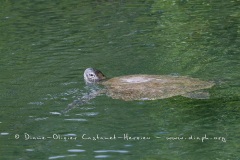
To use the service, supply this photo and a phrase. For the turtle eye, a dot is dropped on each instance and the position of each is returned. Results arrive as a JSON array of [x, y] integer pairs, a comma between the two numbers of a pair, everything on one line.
[[91, 75]]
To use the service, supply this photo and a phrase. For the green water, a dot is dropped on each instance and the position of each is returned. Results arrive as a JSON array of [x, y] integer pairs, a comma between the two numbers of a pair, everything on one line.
[[46, 45]]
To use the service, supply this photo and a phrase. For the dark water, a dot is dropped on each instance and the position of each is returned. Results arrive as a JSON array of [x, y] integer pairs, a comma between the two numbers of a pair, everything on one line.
[[46, 45]]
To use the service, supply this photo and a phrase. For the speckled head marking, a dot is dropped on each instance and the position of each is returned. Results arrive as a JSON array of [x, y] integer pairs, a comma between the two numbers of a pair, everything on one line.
[[92, 75]]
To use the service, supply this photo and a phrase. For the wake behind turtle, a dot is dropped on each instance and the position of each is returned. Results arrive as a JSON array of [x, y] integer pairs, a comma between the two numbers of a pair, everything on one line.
[[144, 87]]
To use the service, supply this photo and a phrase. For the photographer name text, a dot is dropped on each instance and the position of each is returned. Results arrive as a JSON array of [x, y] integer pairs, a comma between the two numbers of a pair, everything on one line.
[[27, 136], [125, 137]]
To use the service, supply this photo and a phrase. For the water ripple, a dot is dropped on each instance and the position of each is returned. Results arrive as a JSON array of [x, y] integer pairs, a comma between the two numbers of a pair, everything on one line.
[[68, 83], [76, 119], [76, 150], [36, 103], [41, 119], [62, 156], [102, 156], [70, 135], [4, 133], [88, 114], [55, 113], [111, 151]]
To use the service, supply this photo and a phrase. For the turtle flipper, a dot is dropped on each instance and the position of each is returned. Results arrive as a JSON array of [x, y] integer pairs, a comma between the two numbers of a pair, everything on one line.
[[82, 100]]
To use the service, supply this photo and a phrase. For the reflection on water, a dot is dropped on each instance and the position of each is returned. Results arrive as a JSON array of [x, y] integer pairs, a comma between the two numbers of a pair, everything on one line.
[[46, 46], [76, 150], [102, 156], [111, 151], [4, 134], [62, 156], [80, 120], [103, 153]]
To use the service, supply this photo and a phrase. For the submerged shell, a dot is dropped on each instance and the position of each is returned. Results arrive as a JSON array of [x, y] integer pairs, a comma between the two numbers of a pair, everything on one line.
[[150, 87]]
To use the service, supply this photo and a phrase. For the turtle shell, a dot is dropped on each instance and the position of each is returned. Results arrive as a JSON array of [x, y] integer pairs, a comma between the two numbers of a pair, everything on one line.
[[151, 87]]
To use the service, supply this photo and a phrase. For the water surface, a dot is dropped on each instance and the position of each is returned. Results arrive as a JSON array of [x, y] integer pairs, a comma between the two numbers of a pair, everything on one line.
[[46, 45]]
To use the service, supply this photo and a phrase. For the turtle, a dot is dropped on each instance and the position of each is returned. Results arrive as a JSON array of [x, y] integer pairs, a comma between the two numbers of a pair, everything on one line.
[[143, 86]]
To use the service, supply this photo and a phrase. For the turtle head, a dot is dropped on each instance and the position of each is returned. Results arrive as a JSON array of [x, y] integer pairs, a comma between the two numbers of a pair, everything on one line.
[[92, 75]]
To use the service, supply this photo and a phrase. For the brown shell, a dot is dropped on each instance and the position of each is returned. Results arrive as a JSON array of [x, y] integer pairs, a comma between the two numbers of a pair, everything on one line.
[[150, 87]]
